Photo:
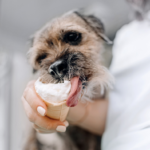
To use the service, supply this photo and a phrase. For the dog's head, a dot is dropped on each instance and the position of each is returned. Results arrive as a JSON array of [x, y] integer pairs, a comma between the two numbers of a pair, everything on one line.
[[68, 48]]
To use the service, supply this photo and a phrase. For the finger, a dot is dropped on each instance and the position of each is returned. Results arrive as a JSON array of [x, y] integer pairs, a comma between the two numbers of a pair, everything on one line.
[[28, 110], [42, 129], [39, 129], [43, 132], [34, 100], [43, 122], [30, 83], [66, 123]]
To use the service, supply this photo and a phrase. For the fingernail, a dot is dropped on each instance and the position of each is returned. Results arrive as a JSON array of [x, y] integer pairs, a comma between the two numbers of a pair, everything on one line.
[[61, 129], [41, 111], [66, 123]]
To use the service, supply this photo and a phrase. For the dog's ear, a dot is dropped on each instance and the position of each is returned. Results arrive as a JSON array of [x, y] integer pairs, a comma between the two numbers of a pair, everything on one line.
[[31, 58], [95, 24]]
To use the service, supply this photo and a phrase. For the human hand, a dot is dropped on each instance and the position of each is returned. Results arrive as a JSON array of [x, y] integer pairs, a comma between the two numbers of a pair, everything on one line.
[[36, 110]]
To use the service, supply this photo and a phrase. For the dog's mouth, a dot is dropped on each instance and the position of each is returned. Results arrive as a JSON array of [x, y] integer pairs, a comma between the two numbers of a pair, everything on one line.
[[75, 93], [73, 67]]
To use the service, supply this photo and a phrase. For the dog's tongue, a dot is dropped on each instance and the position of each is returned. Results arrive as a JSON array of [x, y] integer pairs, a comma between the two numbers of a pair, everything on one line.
[[74, 94]]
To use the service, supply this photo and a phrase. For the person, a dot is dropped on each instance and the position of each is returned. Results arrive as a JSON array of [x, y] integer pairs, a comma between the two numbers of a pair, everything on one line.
[[124, 119], [128, 119]]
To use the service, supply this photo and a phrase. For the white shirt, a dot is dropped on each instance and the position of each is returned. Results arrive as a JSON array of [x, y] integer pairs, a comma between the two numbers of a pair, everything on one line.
[[128, 120]]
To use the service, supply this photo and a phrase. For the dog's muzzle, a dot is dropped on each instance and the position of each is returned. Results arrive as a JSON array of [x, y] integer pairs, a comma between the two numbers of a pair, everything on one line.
[[69, 65]]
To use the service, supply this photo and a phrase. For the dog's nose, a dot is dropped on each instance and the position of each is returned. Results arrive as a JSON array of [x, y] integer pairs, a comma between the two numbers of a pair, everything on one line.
[[58, 69]]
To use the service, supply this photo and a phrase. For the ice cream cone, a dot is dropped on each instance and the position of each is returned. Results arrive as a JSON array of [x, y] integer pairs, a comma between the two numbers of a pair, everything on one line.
[[54, 96], [57, 111]]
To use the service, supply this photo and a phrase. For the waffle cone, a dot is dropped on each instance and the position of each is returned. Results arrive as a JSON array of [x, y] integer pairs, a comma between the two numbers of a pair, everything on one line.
[[57, 111]]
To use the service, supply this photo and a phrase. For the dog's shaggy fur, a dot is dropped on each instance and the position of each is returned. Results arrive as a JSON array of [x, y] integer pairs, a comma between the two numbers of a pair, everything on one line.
[[75, 40]]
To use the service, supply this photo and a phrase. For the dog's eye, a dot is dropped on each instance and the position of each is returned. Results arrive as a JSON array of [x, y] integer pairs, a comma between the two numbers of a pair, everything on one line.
[[41, 57], [73, 38]]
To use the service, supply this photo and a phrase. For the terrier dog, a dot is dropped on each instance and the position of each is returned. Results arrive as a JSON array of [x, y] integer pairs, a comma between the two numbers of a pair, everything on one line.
[[67, 47]]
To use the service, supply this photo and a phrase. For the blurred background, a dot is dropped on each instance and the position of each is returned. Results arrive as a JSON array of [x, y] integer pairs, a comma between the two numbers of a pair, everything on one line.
[[19, 19]]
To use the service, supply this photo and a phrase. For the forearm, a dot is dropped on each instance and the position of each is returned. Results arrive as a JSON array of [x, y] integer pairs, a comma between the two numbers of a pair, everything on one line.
[[91, 117]]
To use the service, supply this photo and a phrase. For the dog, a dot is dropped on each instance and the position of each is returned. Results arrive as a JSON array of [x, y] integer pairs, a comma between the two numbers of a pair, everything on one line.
[[66, 47]]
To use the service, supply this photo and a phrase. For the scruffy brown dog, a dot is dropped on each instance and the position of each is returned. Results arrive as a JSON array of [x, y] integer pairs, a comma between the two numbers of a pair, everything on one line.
[[67, 47]]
